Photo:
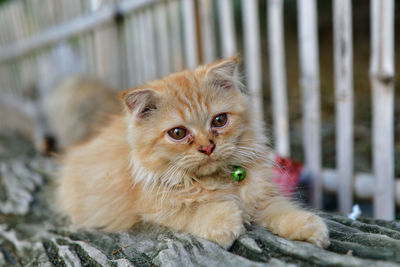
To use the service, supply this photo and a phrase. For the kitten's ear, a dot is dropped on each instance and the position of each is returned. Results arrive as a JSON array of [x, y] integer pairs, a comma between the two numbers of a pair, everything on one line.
[[140, 102], [223, 73]]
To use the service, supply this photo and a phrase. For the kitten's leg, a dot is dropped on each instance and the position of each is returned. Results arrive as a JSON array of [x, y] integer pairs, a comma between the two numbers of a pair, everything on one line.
[[287, 220], [277, 213], [221, 222]]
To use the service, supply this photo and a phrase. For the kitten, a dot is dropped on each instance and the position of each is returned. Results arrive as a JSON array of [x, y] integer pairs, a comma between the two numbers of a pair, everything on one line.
[[72, 110], [169, 161]]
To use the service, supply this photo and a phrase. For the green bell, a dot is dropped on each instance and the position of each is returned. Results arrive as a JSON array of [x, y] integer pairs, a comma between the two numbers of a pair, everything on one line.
[[238, 173]]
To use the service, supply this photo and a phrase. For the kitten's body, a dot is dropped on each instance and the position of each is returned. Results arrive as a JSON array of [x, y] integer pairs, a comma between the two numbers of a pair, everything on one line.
[[133, 171]]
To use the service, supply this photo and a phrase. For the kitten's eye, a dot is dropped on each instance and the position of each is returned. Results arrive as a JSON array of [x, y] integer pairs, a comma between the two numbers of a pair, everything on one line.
[[219, 120], [177, 133]]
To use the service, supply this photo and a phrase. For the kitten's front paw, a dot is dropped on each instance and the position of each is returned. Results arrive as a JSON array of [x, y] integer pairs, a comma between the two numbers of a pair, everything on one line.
[[300, 225], [227, 234], [315, 231], [222, 223]]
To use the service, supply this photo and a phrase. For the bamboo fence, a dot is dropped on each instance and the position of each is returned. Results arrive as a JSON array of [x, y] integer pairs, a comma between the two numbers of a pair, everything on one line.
[[128, 42]]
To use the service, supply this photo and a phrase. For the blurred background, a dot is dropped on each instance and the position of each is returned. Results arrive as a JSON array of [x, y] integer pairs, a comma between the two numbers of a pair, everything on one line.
[[123, 43]]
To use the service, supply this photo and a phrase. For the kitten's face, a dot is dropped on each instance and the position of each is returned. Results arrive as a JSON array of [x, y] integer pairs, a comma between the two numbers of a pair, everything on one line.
[[189, 124]]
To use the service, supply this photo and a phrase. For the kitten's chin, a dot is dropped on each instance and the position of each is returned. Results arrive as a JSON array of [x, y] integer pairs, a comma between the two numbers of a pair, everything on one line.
[[208, 169]]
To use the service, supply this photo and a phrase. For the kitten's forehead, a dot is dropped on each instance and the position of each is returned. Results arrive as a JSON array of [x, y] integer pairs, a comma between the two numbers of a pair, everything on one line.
[[189, 97], [192, 98]]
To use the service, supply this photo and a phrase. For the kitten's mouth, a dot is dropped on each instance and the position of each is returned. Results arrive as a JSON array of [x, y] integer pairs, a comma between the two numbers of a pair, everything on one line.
[[207, 161], [207, 167]]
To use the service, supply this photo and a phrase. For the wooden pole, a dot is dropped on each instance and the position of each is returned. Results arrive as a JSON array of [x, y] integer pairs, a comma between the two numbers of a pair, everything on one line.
[[227, 28], [382, 80], [122, 60], [138, 51], [144, 47], [278, 77], [130, 51], [176, 37], [162, 39], [207, 31], [343, 55], [150, 54], [252, 54], [309, 68], [189, 27]]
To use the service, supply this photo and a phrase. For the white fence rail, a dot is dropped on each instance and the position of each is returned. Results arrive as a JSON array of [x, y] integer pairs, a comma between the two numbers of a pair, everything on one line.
[[309, 68], [130, 41], [278, 77], [382, 80], [343, 46]]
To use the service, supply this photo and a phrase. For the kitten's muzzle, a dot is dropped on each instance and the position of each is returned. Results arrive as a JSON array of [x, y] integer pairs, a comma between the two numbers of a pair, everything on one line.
[[207, 149]]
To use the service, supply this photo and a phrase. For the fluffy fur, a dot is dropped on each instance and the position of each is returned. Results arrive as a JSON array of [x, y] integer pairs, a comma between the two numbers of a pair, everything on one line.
[[71, 112], [134, 172]]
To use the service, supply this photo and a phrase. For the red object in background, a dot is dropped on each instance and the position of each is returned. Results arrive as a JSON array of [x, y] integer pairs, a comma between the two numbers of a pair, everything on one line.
[[286, 174]]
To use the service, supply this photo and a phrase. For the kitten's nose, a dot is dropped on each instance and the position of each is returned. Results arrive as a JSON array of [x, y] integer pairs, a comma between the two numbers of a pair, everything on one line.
[[207, 149]]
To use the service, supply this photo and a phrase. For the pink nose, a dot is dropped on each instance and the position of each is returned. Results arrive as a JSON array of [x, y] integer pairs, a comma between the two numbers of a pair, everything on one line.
[[207, 149]]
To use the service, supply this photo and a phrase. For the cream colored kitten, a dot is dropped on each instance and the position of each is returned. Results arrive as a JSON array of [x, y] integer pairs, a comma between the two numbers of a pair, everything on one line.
[[169, 161]]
